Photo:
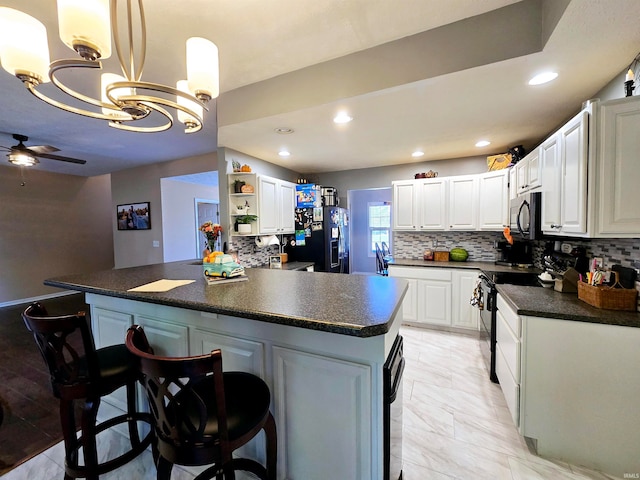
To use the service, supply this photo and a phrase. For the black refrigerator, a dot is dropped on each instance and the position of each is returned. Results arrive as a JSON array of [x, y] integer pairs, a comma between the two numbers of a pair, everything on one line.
[[322, 237]]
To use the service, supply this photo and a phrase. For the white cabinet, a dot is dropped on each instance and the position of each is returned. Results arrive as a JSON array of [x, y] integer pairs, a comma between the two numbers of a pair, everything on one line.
[[405, 205], [493, 211], [434, 300], [463, 202], [438, 296], [513, 183], [618, 169], [238, 354], [528, 173], [564, 161], [168, 339], [466, 202], [508, 341], [410, 302], [574, 159], [463, 314], [304, 383], [276, 205], [551, 185], [432, 207]]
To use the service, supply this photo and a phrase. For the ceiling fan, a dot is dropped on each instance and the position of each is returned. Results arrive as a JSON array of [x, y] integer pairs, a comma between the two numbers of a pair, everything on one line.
[[27, 156]]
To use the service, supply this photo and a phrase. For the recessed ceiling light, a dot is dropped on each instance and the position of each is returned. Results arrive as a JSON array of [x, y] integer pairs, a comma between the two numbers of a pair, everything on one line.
[[483, 143], [543, 78], [284, 130], [417, 153], [342, 117], [284, 153]]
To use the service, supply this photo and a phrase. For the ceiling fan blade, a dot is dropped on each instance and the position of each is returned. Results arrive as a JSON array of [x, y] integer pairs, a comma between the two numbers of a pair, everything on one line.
[[62, 159], [38, 149]]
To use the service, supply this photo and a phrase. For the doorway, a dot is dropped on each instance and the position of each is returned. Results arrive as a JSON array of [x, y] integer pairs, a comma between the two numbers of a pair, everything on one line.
[[205, 210], [362, 231]]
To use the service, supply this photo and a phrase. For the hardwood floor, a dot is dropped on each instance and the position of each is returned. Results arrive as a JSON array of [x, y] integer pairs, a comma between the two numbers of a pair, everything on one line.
[[456, 424], [31, 421]]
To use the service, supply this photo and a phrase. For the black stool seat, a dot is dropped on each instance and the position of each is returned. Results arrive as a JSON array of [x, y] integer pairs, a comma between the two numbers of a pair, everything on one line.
[[81, 373], [202, 414]]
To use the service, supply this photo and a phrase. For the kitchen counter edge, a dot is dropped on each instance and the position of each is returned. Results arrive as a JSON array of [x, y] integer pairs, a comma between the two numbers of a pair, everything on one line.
[[362, 306]]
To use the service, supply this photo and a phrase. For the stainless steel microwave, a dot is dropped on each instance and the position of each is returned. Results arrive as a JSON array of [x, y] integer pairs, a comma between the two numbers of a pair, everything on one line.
[[524, 216]]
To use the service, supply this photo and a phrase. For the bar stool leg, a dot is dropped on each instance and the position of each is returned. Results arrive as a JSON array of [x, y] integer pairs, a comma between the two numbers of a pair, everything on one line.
[[89, 448]]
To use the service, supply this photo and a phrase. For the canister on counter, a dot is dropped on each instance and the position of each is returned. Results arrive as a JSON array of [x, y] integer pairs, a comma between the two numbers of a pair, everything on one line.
[[428, 254]]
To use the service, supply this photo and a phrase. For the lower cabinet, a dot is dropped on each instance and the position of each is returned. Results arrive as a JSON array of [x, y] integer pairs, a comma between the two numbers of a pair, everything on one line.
[[508, 342], [338, 394], [438, 296]]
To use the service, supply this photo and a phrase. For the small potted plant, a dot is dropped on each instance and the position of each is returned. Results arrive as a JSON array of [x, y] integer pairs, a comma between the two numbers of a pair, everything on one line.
[[244, 223]]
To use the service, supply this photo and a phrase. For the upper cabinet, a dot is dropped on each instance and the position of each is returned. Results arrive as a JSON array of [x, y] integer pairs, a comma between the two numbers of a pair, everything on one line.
[[276, 205], [463, 202], [466, 202], [564, 158], [405, 205], [618, 169], [270, 199], [494, 194], [528, 177]]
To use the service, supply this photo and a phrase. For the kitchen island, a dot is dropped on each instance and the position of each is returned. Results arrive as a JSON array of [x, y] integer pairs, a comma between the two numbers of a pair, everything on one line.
[[319, 340]]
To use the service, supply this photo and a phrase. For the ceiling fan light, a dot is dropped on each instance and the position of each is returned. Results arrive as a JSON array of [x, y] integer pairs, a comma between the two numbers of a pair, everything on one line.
[[183, 86], [202, 68], [24, 50], [85, 24], [22, 159]]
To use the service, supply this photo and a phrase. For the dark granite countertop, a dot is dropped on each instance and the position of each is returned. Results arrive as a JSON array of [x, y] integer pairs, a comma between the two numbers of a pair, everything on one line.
[[545, 302], [486, 266], [301, 266], [356, 305]]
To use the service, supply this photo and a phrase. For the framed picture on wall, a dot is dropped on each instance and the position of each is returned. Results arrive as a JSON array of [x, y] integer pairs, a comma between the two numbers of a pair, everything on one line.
[[133, 216]]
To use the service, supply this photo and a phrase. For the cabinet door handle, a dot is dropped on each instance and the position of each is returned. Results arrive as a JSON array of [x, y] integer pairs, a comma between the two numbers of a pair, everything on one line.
[[553, 225]]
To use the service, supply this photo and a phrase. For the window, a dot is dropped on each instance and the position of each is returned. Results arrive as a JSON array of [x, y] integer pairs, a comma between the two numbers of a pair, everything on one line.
[[379, 225]]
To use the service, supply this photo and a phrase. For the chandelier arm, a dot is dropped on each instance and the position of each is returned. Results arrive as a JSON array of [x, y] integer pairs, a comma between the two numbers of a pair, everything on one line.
[[153, 102], [60, 65]]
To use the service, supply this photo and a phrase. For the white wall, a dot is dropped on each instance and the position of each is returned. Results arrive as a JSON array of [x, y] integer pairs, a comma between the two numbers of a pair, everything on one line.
[[179, 218], [142, 184]]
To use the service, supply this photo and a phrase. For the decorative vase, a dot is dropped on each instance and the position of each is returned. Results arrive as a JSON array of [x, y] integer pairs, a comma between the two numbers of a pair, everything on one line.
[[244, 228]]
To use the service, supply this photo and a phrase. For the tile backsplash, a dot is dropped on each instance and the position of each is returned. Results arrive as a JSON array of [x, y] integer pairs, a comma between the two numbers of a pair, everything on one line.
[[411, 245], [480, 245]]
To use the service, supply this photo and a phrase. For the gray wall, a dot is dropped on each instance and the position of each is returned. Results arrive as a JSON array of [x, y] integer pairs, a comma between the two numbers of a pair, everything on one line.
[[54, 225]]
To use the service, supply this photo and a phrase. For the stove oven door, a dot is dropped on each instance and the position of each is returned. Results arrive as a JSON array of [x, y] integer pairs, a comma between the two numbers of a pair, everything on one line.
[[487, 326]]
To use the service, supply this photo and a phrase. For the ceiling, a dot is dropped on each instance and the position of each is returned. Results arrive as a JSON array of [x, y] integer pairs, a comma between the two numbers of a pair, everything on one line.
[[435, 75]]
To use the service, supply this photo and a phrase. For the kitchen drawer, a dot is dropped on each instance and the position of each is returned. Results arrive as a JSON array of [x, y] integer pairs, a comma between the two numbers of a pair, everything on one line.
[[509, 344], [510, 388], [511, 318]]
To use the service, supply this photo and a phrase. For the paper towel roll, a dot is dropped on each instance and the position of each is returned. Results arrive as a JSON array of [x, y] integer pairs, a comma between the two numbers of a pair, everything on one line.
[[266, 240]]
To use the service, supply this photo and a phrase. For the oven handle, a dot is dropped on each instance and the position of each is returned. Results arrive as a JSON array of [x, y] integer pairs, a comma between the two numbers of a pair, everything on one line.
[[396, 382]]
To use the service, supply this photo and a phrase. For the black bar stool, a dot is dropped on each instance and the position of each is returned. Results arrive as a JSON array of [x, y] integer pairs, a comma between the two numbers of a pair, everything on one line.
[[80, 372], [202, 414]]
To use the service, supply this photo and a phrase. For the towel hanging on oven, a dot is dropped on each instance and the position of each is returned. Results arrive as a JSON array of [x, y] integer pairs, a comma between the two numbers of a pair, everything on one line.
[[476, 297]]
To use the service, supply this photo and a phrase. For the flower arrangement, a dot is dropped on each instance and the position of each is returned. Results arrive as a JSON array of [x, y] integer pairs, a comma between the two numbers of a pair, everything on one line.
[[212, 231]]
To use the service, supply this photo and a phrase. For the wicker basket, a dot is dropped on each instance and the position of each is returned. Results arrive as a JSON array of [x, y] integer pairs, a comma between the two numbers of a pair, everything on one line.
[[441, 256], [609, 298]]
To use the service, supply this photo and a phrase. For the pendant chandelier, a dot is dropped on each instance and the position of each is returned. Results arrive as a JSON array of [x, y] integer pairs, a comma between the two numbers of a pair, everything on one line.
[[87, 26]]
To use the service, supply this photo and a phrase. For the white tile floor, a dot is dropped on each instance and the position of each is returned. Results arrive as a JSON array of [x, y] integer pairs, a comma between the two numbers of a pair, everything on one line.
[[456, 424]]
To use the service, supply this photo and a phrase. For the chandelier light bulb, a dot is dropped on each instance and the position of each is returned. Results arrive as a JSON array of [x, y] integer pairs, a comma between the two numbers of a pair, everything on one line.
[[202, 67], [24, 49], [85, 26]]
